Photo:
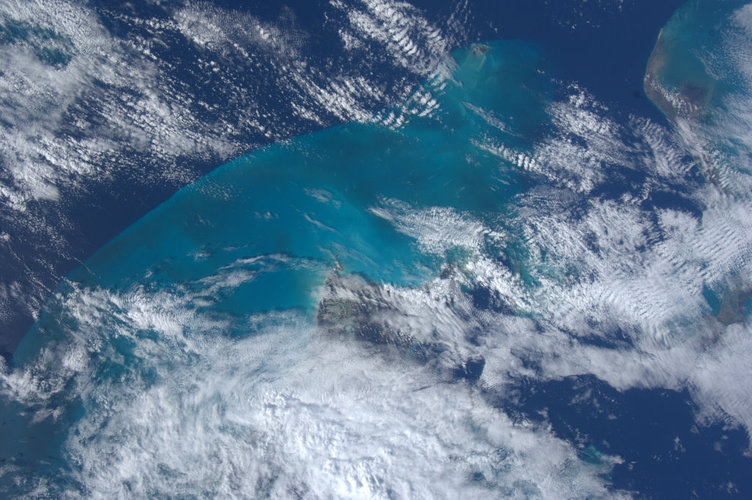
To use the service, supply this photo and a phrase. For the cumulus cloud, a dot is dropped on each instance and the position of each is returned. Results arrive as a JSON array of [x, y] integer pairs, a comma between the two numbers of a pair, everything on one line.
[[288, 410]]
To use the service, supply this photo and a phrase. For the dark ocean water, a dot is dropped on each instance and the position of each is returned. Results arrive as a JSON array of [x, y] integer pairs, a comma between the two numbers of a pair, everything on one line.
[[521, 278]]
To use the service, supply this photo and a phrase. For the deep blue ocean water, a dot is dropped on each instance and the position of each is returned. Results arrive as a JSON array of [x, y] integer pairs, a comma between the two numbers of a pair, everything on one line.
[[100, 397]]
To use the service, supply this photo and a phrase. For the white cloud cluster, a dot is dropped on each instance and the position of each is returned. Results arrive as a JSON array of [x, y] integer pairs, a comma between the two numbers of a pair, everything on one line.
[[173, 405], [639, 277]]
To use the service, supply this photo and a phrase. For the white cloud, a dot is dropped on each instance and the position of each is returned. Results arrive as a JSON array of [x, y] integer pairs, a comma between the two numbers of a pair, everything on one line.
[[286, 410]]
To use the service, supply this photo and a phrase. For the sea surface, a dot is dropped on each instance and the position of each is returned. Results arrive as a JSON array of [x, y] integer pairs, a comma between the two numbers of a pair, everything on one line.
[[526, 277]]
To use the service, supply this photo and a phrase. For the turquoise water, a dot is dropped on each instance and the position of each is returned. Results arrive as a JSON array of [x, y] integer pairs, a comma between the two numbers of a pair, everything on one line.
[[687, 60], [287, 215], [48, 46]]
